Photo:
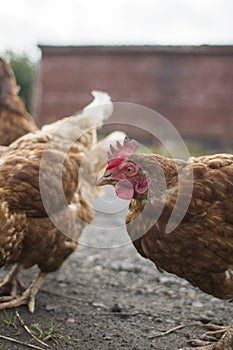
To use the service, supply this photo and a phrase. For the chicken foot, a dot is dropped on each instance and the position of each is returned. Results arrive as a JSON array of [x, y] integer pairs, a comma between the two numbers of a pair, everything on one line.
[[11, 281], [28, 297], [224, 343]]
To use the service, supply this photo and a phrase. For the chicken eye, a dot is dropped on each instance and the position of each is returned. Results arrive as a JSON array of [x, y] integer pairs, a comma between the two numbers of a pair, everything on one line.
[[129, 169]]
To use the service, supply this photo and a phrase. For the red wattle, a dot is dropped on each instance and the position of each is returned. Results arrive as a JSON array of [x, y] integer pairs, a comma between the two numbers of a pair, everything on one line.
[[124, 189]]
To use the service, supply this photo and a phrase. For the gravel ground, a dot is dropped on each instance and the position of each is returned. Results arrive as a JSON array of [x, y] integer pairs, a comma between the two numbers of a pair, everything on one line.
[[107, 297]]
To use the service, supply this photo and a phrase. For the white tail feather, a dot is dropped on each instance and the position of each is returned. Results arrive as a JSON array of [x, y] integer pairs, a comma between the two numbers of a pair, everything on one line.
[[92, 116]]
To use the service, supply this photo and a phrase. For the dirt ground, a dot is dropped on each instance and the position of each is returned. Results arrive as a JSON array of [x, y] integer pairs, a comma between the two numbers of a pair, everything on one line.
[[107, 297]]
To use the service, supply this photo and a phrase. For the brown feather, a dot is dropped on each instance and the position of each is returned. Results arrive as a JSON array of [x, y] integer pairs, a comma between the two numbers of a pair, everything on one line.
[[200, 248], [15, 121]]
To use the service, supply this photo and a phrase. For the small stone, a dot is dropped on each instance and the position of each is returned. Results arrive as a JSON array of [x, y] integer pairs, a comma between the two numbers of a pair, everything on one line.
[[107, 337], [98, 268], [140, 291], [94, 258], [61, 277], [100, 305], [52, 307], [62, 284], [116, 308], [197, 304], [124, 266], [116, 266]]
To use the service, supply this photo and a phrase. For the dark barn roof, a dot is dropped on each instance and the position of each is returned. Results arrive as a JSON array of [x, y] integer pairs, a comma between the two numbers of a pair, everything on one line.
[[135, 49]]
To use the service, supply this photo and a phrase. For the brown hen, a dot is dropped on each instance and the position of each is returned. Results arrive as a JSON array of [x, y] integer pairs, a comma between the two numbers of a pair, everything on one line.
[[15, 121], [42, 207], [195, 243]]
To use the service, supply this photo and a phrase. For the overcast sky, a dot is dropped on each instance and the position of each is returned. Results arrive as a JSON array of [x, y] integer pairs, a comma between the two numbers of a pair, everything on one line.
[[25, 23]]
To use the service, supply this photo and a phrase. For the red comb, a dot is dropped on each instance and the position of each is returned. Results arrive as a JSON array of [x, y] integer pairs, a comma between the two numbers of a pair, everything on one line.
[[128, 148]]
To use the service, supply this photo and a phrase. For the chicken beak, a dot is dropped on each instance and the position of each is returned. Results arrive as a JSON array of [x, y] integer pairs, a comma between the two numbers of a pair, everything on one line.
[[105, 180]]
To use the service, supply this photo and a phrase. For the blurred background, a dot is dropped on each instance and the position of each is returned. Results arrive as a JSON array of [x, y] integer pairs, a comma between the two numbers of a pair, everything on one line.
[[174, 56]]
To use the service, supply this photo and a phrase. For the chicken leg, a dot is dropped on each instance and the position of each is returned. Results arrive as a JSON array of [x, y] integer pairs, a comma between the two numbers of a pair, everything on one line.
[[10, 282], [28, 297]]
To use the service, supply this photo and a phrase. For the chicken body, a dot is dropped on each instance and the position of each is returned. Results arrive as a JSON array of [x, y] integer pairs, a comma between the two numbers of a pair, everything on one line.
[[15, 121], [200, 246], [45, 161]]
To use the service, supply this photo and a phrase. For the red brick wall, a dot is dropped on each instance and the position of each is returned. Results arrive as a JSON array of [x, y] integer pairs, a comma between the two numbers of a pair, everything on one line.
[[193, 88]]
